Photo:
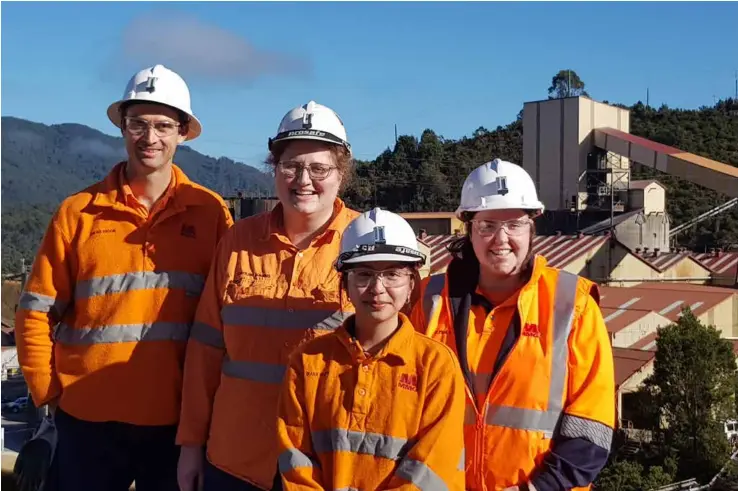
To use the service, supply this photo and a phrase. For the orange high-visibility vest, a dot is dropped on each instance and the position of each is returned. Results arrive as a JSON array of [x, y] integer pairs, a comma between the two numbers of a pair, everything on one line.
[[558, 377]]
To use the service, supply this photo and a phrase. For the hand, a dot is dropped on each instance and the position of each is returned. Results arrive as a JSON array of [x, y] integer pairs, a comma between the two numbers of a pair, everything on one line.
[[190, 468]]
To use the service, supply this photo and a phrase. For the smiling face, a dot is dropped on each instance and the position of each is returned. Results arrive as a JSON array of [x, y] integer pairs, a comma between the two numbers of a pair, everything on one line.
[[152, 133], [296, 189], [379, 299], [501, 254]]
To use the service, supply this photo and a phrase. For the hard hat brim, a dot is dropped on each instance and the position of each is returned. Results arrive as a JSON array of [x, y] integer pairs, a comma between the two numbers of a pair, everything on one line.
[[371, 258], [323, 136], [195, 127], [525, 207]]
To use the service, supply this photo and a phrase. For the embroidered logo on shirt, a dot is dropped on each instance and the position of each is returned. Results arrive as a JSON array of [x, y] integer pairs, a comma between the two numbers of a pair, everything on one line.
[[188, 231], [531, 330], [408, 382]]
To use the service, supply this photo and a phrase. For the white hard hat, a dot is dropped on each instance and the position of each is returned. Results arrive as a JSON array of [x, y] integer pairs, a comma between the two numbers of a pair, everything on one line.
[[160, 85], [312, 121], [498, 185], [379, 235]]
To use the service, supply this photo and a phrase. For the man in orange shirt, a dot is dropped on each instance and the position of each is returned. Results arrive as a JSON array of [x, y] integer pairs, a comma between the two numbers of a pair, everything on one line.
[[103, 322]]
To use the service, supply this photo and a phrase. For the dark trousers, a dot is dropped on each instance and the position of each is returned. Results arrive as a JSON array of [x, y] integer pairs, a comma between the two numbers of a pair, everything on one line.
[[110, 456], [215, 479]]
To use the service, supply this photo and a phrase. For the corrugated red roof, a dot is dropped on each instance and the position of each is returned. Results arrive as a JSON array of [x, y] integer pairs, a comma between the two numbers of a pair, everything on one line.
[[628, 362], [720, 263], [666, 299], [559, 250]]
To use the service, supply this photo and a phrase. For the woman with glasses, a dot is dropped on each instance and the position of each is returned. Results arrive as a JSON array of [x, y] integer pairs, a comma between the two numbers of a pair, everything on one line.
[[375, 405], [272, 286], [531, 342]]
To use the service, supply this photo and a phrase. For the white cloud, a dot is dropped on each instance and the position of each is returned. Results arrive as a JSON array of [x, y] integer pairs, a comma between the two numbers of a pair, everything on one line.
[[204, 51]]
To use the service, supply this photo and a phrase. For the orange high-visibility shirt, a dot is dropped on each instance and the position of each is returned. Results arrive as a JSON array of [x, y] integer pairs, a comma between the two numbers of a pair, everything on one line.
[[486, 333], [557, 379], [262, 299], [390, 421], [106, 312]]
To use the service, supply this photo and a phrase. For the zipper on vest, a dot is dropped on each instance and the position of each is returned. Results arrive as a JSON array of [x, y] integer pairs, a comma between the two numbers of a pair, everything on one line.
[[479, 437]]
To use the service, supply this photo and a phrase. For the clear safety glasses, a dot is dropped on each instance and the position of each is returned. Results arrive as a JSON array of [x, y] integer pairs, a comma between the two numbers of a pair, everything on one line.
[[390, 278], [316, 171], [487, 228], [138, 127]]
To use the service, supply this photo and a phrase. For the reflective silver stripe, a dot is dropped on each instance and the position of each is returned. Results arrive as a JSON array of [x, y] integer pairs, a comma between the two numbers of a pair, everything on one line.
[[563, 316], [347, 489], [140, 280], [207, 334], [420, 475], [282, 318], [481, 382], [292, 459], [462, 460], [594, 431], [522, 418], [123, 333], [42, 303], [266, 373], [376, 444], [432, 297], [546, 420]]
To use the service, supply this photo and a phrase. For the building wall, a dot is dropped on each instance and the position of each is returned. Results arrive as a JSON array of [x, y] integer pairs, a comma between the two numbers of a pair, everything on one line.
[[654, 199], [688, 268], [645, 230], [557, 138], [646, 325], [723, 317], [624, 265]]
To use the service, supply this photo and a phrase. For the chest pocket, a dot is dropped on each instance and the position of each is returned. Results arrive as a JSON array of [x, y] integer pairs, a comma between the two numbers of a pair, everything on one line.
[[245, 286]]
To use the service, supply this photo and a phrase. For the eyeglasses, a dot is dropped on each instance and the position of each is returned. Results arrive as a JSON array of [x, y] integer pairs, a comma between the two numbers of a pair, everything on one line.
[[316, 171], [390, 278], [138, 127], [487, 228]]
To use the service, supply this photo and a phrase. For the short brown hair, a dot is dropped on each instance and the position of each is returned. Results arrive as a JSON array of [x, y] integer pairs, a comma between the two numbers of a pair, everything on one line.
[[342, 156]]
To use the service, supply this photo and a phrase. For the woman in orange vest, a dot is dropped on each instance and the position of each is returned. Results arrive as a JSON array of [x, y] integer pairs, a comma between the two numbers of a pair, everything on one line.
[[271, 287], [375, 405], [531, 342]]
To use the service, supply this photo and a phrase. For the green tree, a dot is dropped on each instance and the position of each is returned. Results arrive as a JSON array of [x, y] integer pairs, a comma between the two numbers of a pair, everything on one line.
[[692, 389], [566, 83], [625, 475]]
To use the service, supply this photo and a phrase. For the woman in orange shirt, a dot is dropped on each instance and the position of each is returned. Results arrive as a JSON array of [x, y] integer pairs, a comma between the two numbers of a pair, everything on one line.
[[272, 286], [374, 405]]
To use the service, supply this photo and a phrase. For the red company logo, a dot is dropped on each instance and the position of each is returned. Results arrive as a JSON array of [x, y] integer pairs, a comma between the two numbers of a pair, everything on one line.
[[408, 382], [531, 330]]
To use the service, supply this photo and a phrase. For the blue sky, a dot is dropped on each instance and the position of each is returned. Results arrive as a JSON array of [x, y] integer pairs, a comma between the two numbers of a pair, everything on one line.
[[451, 67]]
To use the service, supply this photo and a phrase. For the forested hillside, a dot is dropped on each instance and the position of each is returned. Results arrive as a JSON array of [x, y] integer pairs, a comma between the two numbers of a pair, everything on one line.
[[426, 174], [43, 164]]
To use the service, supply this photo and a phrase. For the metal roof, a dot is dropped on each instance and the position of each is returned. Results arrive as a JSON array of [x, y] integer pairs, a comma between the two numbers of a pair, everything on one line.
[[629, 361], [559, 250], [663, 260], [623, 306], [719, 263]]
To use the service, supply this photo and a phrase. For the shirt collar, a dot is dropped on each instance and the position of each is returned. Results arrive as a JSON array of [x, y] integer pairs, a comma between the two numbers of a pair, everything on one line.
[[397, 346], [274, 225]]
